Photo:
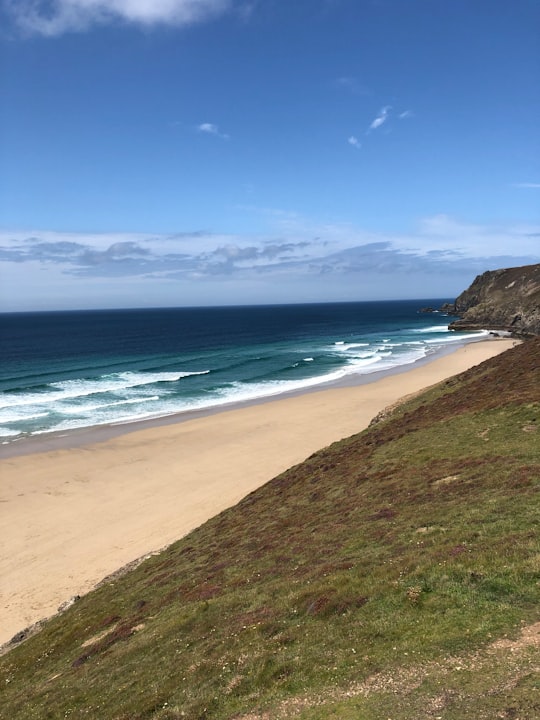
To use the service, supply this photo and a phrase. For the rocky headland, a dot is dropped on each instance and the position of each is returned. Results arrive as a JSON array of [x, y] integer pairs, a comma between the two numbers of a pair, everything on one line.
[[507, 300]]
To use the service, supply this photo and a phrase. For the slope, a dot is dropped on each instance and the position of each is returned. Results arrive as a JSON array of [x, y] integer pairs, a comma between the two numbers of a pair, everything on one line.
[[386, 566]]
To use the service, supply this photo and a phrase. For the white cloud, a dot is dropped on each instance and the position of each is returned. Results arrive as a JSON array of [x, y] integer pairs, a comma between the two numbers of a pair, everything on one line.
[[384, 116], [467, 240], [381, 118], [441, 257], [290, 238], [527, 185], [51, 19], [355, 142], [211, 129], [440, 235]]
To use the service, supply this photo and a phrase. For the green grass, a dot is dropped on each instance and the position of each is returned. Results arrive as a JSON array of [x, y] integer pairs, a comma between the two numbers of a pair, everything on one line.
[[352, 586]]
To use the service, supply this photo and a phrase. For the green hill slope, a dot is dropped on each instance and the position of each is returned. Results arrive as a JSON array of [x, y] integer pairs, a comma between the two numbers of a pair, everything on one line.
[[395, 574]]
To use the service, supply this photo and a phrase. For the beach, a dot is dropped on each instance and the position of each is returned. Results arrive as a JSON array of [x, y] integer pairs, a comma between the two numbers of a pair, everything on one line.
[[71, 516]]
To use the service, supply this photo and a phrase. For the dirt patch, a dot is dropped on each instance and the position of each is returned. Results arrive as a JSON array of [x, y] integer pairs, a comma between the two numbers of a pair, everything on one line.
[[446, 480], [529, 636], [98, 637]]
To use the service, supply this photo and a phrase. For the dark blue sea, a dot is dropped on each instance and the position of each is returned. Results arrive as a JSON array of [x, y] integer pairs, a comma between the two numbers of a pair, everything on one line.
[[65, 370]]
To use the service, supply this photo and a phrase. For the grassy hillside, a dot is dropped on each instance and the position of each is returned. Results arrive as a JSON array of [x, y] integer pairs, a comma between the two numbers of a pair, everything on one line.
[[395, 574]]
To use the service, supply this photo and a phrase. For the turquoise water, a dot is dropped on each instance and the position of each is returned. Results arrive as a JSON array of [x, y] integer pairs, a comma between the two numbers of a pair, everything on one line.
[[65, 370]]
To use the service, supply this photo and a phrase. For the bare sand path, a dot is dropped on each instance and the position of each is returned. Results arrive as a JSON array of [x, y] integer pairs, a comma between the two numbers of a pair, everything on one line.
[[70, 517]]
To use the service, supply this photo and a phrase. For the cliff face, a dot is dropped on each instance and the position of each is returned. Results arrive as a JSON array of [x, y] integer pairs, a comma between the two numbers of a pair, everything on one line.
[[506, 299]]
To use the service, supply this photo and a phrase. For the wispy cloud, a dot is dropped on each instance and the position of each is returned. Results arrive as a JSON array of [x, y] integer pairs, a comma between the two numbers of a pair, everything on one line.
[[196, 254], [351, 84], [211, 129], [381, 118], [295, 244], [526, 185], [51, 19], [347, 82], [295, 261]]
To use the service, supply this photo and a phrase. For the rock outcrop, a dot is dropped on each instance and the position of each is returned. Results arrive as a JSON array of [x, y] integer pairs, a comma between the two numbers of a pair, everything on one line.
[[506, 299]]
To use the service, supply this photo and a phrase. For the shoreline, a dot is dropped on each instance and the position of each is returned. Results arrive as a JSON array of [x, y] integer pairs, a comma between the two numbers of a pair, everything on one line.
[[72, 516], [77, 437]]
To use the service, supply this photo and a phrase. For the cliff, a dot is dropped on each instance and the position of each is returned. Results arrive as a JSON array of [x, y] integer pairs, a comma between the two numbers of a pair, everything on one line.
[[506, 299]]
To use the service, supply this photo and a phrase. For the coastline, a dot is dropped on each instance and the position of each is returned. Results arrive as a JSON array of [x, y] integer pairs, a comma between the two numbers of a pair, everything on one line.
[[89, 435], [73, 514]]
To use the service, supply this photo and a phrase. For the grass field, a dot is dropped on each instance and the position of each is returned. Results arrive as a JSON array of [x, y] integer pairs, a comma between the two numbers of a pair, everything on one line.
[[393, 575]]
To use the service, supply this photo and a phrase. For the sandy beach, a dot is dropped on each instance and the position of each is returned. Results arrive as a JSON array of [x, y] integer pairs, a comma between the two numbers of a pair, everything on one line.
[[69, 517]]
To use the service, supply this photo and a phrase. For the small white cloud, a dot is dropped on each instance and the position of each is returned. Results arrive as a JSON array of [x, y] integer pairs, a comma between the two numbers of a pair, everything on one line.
[[381, 118], [52, 19], [526, 185], [406, 114], [355, 142], [211, 129]]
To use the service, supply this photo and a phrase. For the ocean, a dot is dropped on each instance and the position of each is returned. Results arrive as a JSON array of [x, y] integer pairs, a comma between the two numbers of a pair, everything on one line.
[[65, 370]]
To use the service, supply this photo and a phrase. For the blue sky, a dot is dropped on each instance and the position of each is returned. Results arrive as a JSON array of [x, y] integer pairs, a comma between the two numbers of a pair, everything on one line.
[[202, 152]]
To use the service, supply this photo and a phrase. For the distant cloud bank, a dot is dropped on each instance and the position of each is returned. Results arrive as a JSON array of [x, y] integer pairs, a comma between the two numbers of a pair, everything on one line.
[[296, 261], [296, 247]]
